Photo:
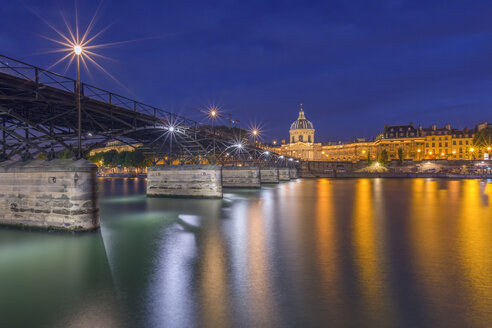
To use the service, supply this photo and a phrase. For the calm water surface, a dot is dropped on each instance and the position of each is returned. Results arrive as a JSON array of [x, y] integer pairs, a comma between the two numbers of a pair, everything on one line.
[[306, 253]]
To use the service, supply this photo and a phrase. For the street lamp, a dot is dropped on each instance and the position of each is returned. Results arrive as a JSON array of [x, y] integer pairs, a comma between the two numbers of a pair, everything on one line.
[[213, 113], [171, 129], [77, 49]]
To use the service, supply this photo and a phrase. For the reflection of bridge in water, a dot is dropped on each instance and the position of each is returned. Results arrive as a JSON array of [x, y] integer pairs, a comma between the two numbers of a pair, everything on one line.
[[39, 116]]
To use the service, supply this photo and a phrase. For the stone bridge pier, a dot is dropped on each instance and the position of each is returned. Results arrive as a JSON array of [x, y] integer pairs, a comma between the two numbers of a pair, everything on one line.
[[196, 181], [241, 177], [53, 195]]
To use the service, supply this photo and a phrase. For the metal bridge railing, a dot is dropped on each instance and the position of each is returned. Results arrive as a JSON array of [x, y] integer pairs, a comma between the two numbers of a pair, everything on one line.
[[42, 77]]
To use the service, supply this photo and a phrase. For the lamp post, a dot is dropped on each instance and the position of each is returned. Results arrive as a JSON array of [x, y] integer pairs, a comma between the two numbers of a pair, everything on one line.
[[213, 114], [171, 133], [77, 49]]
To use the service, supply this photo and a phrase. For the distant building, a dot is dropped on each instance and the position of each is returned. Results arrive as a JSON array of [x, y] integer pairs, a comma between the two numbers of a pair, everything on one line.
[[416, 143], [115, 145]]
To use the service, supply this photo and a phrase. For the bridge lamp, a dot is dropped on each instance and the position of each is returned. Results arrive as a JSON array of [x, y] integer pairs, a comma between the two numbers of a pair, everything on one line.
[[281, 157], [291, 159], [77, 49], [267, 153], [297, 161], [170, 129]]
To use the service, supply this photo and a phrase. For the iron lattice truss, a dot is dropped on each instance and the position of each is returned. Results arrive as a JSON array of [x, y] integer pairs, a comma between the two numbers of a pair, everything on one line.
[[38, 115]]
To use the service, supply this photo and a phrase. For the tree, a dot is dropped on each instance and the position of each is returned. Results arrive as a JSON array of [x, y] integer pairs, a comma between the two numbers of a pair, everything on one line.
[[400, 156], [67, 154], [383, 157]]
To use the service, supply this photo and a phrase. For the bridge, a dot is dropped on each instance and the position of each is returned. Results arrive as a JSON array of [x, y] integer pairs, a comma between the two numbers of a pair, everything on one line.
[[40, 115]]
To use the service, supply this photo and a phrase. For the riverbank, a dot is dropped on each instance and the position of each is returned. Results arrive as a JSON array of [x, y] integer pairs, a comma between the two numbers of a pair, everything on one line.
[[394, 175]]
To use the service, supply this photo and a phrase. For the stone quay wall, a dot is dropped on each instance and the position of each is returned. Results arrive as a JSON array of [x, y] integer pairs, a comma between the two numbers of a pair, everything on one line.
[[269, 175], [54, 195], [241, 177], [201, 181], [283, 174]]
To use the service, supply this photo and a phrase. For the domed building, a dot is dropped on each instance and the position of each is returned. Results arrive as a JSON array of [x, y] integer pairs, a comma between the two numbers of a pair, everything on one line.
[[301, 130], [301, 140]]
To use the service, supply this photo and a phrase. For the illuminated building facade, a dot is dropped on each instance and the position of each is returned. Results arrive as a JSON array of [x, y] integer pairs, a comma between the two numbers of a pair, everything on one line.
[[413, 143]]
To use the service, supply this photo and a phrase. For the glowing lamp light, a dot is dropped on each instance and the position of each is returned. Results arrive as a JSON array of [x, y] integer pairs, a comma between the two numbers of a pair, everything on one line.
[[430, 153], [239, 145], [442, 154], [418, 150], [363, 152], [281, 156], [254, 132], [291, 159], [267, 153], [472, 149], [377, 164], [77, 49], [171, 129]]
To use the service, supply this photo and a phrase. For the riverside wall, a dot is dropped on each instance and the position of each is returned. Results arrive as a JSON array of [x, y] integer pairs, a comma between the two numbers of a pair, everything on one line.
[[54, 195]]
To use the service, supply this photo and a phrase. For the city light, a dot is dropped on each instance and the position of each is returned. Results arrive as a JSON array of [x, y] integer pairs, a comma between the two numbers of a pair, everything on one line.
[[363, 152], [170, 129], [77, 49], [418, 150], [266, 153], [472, 149]]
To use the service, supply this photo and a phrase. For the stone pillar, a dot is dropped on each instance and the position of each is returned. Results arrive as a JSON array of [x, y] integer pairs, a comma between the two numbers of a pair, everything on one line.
[[195, 181], [241, 177], [293, 173], [54, 195], [269, 175], [283, 174]]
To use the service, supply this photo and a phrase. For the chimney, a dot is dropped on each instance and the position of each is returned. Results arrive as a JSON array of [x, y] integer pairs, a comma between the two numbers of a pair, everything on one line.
[[434, 127], [448, 126], [411, 124]]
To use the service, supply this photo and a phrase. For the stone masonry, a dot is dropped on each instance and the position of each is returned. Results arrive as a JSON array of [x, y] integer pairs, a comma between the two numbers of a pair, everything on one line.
[[241, 177], [269, 175], [203, 181], [59, 194]]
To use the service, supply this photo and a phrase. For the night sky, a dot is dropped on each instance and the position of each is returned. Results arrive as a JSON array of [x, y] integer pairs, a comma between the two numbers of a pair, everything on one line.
[[355, 65]]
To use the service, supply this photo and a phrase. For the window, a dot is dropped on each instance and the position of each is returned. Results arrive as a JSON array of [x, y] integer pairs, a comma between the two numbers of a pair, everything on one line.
[[433, 138], [466, 142], [461, 142], [300, 138], [427, 144], [440, 144], [309, 138], [433, 144], [454, 142], [445, 144], [292, 139]]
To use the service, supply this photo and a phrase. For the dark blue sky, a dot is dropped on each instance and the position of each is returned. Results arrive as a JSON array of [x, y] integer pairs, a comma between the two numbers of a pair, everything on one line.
[[355, 65]]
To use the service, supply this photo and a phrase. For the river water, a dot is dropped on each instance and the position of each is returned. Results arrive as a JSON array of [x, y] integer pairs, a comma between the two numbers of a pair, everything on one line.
[[305, 253]]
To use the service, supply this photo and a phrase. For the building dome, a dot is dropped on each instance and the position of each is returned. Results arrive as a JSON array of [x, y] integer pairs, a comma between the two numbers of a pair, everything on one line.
[[301, 122], [301, 130]]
